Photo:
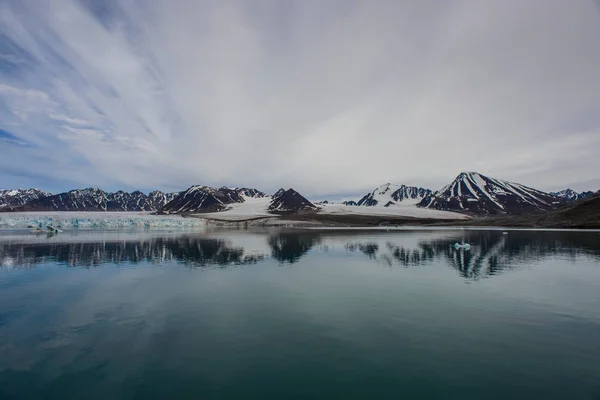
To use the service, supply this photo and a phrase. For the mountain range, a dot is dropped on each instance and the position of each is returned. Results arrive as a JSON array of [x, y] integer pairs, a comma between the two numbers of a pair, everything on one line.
[[90, 199], [470, 192]]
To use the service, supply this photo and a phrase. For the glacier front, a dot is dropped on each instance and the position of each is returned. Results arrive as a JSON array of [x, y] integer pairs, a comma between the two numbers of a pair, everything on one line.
[[95, 220]]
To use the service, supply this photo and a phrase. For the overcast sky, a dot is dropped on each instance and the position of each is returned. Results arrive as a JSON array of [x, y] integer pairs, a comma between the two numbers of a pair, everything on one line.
[[329, 97]]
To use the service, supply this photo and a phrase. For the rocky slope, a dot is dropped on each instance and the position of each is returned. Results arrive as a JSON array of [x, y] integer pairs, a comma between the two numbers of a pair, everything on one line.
[[388, 195], [479, 194], [18, 197]]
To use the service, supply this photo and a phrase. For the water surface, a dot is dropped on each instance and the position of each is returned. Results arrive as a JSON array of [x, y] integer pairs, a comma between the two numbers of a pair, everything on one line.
[[269, 314]]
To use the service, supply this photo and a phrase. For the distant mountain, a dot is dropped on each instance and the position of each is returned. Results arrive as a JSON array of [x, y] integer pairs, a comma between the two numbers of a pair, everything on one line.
[[572, 195], [94, 199], [247, 192], [388, 195], [159, 199], [479, 194], [584, 213], [349, 203], [287, 201], [18, 197], [204, 199]]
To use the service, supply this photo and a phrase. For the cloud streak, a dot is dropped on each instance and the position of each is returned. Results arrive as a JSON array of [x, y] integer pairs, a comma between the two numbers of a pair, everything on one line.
[[329, 98]]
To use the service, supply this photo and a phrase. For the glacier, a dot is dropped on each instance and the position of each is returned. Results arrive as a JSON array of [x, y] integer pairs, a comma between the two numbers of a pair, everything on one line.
[[95, 220]]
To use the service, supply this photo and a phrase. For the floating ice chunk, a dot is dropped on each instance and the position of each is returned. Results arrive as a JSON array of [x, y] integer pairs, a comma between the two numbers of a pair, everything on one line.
[[465, 246]]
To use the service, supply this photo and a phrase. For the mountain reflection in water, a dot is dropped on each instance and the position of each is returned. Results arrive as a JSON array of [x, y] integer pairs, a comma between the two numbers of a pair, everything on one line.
[[491, 253]]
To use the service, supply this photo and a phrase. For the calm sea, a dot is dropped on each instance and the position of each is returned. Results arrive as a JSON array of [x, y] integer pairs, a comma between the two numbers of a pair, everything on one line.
[[300, 315]]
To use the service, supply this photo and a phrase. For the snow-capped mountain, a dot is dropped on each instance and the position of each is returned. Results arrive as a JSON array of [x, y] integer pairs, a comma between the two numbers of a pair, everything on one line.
[[205, 199], [287, 201], [476, 193], [389, 194], [94, 199], [572, 195], [18, 197]]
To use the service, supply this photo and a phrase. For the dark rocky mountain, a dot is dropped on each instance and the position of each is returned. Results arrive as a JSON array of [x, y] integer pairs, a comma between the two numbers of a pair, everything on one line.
[[289, 201], [205, 199], [479, 194], [388, 195], [349, 203], [94, 199], [18, 197], [572, 195]]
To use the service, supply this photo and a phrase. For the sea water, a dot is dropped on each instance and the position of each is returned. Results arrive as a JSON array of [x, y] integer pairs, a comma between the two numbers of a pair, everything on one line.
[[236, 314]]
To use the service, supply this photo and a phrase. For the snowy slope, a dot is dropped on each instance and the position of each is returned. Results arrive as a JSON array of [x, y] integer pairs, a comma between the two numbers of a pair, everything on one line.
[[249, 209], [284, 201], [389, 194], [473, 192], [397, 210]]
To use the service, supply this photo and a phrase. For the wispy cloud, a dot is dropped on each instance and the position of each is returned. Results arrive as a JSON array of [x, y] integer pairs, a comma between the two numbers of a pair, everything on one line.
[[333, 97], [8, 139]]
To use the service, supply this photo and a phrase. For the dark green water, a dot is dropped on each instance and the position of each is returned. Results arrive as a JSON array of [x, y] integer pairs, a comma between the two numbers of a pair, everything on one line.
[[268, 315]]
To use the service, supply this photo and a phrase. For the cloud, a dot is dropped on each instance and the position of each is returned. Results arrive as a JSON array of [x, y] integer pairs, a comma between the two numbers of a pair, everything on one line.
[[337, 97]]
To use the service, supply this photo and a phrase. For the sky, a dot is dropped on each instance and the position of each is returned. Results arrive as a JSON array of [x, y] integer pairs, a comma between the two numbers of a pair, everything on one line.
[[331, 97]]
